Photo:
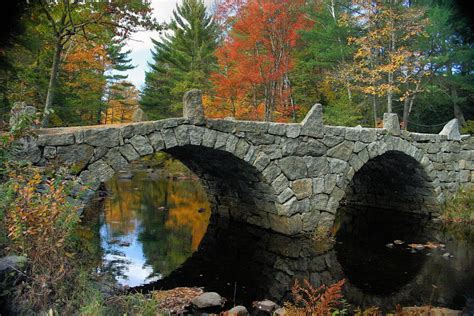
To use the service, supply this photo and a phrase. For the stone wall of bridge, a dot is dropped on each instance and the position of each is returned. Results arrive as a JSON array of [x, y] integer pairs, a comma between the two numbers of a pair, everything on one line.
[[289, 177]]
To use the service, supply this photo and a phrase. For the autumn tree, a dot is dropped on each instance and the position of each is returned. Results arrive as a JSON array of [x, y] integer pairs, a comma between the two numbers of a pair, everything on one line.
[[122, 101], [182, 59], [68, 20], [255, 58]]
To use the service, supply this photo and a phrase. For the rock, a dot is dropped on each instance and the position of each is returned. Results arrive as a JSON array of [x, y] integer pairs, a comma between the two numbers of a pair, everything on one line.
[[141, 145], [398, 242], [451, 130], [265, 306], [9, 262], [104, 136], [391, 124], [312, 125], [20, 113], [280, 312], [302, 188], [389, 245], [26, 148], [78, 155], [293, 167], [238, 310], [192, 107], [139, 115], [207, 299]]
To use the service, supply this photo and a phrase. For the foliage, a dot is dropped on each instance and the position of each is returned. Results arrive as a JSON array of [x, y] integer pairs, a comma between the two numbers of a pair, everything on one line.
[[40, 224], [255, 58], [460, 207], [309, 300], [182, 60], [468, 127]]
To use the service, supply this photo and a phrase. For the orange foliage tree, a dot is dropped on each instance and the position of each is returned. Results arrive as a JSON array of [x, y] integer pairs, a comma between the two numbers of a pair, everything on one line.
[[255, 58]]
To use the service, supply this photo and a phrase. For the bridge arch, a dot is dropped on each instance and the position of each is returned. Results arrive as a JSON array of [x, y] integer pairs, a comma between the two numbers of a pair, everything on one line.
[[389, 174], [236, 174]]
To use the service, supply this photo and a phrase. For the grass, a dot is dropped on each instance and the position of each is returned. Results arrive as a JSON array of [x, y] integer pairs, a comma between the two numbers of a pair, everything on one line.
[[460, 207]]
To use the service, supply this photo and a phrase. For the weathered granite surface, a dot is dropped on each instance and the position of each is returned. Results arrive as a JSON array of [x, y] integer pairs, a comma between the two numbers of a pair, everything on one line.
[[290, 178]]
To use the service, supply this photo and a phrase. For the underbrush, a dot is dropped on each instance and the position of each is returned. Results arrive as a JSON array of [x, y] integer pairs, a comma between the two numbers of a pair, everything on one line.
[[460, 207]]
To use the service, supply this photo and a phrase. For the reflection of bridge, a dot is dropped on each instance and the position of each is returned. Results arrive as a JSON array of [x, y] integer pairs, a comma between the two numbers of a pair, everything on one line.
[[290, 177]]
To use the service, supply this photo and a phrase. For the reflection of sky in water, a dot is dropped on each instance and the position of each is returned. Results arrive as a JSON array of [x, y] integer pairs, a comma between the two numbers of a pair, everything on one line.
[[151, 224], [126, 253]]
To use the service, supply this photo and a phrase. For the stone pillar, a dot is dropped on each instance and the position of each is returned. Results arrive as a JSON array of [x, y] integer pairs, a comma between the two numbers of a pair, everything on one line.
[[391, 123], [312, 125], [192, 107], [451, 130]]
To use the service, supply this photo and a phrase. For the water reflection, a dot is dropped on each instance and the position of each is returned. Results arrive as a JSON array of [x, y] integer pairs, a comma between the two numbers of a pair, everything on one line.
[[154, 230], [151, 223]]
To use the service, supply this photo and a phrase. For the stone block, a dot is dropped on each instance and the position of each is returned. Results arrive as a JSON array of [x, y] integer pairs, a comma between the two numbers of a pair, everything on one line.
[[342, 151], [391, 123], [101, 170], [221, 140], [293, 130], [105, 137], [293, 167], [56, 139], [195, 135], [192, 107], [312, 124], [49, 152], [277, 129], [280, 183], [261, 161], [166, 123], [209, 138], [141, 145], [302, 188], [286, 225], [317, 166], [271, 172], [451, 130], [77, 155], [115, 159], [156, 140], [129, 152], [241, 148]]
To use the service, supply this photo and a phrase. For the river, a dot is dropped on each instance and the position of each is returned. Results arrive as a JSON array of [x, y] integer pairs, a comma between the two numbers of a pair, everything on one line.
[[155, 230]]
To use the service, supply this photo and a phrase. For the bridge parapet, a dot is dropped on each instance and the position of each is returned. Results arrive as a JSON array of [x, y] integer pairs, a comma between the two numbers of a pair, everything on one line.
[[290, 177]]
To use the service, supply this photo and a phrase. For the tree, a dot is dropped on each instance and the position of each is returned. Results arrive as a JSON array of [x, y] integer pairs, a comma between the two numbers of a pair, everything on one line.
[[122, 101], [384, 52], [319, 74], [182, 59], [257, 52], [68, 20]]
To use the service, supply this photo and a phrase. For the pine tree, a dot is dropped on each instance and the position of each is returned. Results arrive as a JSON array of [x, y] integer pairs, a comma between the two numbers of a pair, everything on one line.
[[182, 60]]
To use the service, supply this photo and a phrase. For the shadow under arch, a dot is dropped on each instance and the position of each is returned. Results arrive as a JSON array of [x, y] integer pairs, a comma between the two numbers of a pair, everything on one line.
[[235, 188], [391, 197]]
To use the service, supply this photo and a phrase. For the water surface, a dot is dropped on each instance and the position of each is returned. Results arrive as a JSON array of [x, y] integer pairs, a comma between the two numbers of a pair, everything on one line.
[[157, 232]]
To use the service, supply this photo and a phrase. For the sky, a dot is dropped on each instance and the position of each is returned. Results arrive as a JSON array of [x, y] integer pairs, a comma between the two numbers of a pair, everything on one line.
[[140, 43]]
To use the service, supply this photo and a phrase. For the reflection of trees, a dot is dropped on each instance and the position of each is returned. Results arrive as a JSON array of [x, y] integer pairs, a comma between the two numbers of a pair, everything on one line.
[[170, 237], [165, 214]]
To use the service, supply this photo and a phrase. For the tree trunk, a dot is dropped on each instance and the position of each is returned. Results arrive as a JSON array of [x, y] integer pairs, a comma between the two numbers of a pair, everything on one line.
[[457, 109], [406, 112], [374, 108], [52, 83], [389, 92]]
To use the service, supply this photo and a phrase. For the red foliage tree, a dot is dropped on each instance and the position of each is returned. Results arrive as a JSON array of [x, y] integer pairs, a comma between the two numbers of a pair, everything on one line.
[[256, 57]]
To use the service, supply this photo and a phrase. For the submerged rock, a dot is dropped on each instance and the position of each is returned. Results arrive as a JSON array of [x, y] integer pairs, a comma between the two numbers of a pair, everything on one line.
[[207, 299], [266, 306], [238, 310]]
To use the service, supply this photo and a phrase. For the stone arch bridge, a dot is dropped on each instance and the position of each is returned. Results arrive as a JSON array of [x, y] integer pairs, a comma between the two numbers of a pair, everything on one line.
[[288, 177]]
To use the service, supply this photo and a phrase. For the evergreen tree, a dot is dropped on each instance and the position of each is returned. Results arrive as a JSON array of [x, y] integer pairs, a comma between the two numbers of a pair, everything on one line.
[[182, 60]]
